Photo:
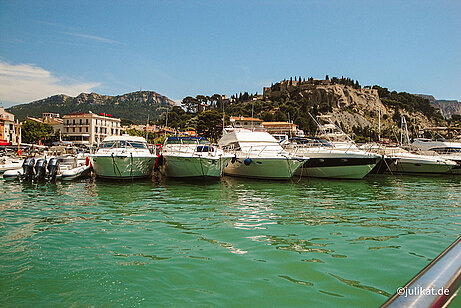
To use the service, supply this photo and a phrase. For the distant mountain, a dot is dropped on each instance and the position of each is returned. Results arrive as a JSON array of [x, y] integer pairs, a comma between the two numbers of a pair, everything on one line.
[[135, 106], [446, 107]]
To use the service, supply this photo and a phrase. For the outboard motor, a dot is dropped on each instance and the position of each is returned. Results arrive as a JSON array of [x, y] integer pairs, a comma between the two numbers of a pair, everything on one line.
[[40, 169], [28, 169], [53, 168]]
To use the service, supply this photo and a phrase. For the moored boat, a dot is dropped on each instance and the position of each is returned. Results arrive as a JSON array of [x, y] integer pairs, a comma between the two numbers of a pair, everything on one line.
[[326, 161], [257, 154], [187, 157], [7, 163], [404, 161], [123, 157]]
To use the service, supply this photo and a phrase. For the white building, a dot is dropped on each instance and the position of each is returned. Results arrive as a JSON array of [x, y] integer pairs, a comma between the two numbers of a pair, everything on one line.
[[245, 122], [10, 132], [89, 128]]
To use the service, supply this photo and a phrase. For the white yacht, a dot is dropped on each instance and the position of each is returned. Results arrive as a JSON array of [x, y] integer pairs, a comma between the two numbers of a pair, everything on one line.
[[440, 146], [445, 149], [123, 157], [257, 154], [406, 162], [187, 157], [326, 161]]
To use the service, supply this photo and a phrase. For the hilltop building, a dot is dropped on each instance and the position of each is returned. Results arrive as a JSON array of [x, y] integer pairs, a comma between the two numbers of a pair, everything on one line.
[[10, 132], [89, 128]]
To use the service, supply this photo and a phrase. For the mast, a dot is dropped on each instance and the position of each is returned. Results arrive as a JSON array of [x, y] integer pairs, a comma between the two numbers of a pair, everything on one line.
[[379, 125], [147, 127], [252, 114]]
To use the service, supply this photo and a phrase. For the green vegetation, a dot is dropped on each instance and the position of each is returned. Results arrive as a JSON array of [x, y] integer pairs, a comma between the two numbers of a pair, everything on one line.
[[209, 125], [34, 132], [151, 138], [408, 102]]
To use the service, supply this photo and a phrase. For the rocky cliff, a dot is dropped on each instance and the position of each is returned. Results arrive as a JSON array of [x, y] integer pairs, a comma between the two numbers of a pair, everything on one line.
[[446, 107], [135, 106], [351, 106]]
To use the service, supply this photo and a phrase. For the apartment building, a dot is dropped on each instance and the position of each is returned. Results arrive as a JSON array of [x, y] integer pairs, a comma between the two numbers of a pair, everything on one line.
[[89, 128], [10, 132]]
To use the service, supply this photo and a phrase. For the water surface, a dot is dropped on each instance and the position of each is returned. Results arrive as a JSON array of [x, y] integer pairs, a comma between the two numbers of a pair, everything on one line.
[[232, 242]]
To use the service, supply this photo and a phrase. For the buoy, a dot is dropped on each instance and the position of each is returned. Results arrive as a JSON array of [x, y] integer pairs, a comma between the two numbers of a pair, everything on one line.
[[247, 161]]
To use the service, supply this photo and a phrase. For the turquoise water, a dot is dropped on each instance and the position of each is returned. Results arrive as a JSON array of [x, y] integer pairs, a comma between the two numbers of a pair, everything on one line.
[[233, 242]]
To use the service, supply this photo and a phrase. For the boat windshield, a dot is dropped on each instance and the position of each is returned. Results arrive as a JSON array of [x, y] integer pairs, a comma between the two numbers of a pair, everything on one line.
[[124, 144], [187, 141]]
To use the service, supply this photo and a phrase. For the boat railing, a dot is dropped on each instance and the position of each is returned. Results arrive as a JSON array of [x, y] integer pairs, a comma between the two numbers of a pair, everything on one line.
[[436, 285]]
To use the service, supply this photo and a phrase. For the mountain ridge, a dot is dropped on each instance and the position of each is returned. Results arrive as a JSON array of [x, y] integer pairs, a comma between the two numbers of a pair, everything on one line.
[[134, 106], [447, 107]]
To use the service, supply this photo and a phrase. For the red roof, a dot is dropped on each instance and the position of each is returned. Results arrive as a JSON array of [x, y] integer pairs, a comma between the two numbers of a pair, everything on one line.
[[245, 119]]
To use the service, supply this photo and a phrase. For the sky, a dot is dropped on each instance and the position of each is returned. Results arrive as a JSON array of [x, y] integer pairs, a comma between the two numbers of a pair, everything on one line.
[[186, 48]]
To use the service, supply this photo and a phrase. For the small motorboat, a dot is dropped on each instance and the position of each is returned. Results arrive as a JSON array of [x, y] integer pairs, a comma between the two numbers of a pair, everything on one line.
[[8, 163], [73, 167], [51, 169]]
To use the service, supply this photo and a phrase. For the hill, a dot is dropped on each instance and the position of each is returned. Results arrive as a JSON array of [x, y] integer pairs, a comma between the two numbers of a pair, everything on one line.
[[135, 106], [351, 106]]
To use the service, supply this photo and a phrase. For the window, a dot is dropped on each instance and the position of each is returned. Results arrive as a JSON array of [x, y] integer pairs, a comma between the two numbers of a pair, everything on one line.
[[87, 122], [80, 129], [87, 129], [73, 121], [73, 129], [81, 121]]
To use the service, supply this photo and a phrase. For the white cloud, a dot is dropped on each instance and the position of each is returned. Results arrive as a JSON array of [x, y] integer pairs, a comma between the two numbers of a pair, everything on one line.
[[24, 83], [93, 37]]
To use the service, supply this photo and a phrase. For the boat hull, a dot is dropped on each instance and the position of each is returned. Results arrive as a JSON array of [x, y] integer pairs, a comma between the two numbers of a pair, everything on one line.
[[123, 167], [338, 168], [75, 173], [189, 167], [264, 168], [402, 165]]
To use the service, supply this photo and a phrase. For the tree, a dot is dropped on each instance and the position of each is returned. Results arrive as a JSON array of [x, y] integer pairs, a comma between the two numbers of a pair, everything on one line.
[[209, 124], [33, 132], [190, 103]]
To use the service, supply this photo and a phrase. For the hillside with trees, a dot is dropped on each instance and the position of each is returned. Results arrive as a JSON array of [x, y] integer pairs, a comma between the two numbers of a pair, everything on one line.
[[135, 106]]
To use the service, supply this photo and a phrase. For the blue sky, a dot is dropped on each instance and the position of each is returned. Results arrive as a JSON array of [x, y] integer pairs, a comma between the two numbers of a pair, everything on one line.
[[180, 48]]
